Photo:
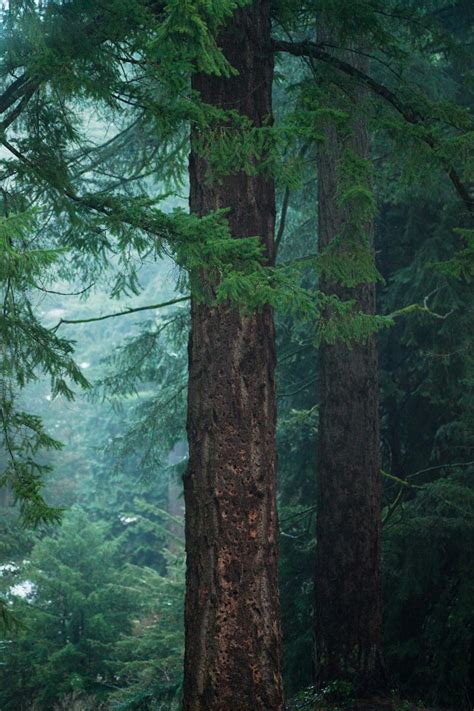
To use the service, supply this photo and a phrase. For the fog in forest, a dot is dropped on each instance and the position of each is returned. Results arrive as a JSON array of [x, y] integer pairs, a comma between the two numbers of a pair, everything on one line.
[[236, 348]]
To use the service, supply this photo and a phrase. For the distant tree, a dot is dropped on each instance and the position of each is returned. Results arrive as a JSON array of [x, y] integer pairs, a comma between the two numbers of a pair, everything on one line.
[[427, 381], [77, 604], [348, 525], [149, 662]]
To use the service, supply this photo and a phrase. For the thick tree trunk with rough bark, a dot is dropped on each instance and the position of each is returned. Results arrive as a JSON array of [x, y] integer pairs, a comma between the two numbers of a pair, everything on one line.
[[347, 584], [233, 639]]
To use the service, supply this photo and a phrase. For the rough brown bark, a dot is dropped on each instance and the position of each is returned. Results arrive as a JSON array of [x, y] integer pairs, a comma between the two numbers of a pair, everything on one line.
[[233, 639], [347, 583]]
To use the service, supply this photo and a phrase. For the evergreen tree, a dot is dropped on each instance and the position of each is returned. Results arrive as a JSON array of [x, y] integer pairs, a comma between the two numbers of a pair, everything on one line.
[[426, 388], [347, 583], [349, 263], [73, 207], [148, 662], [76, 605], [233, 641]]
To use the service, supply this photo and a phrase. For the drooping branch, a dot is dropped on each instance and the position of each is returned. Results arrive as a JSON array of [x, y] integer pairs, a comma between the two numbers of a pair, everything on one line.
[[316, 51], [440, 466], [14, 113], [14, 92], [97, 29], [65, 293], [404, 484], [409, 113], [103, 205], [126, 312]]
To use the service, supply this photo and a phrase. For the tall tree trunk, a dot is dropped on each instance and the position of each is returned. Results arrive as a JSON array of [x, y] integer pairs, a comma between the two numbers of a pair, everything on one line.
[[233, 639], [347, 583]]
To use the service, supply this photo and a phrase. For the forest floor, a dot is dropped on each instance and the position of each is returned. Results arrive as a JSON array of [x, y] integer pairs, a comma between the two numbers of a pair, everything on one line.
[[373, 704]]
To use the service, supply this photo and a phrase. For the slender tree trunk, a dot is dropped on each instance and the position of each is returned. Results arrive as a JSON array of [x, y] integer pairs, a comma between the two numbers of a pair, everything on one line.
[[233, 639], [347, 584]]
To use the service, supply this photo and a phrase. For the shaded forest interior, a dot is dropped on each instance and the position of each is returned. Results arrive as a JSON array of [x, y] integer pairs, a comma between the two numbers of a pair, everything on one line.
[[237, 362]]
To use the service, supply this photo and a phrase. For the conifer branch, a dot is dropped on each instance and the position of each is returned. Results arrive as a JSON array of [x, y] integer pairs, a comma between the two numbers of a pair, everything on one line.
[[423, 308], [121, 313], [311, 49], [440, 466], [393, 507], [104, 206], [400, 481], [14, 92], [284, 212], [409, 113], [65, 293], [14, 113], [403, 483], [418, 308]]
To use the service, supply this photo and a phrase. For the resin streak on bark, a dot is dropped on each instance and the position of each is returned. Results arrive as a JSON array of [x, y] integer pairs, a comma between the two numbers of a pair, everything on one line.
[[347, 584], [233, 640]]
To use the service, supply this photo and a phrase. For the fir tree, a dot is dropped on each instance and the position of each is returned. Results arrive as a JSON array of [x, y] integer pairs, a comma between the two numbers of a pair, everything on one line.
[[347, 584], [233, 640], [76, 604], [72, 207]]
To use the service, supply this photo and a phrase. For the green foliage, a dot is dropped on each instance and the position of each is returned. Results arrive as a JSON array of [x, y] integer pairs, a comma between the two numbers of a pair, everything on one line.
[[332, 318], [341, 322], [77, 607], [461, 266], [335, 693], [426, 434], [240, 147], [80, 207], [8, 622], [24, 437], [27, 347], [348, 264], [75, 204], [304, 699], [194, 24], [209, 253], [149, 661], [429, 574], [19, 265]]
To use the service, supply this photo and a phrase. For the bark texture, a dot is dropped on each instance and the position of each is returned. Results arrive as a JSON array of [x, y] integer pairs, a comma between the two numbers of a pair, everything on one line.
[[347, 584], [233, 639]]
